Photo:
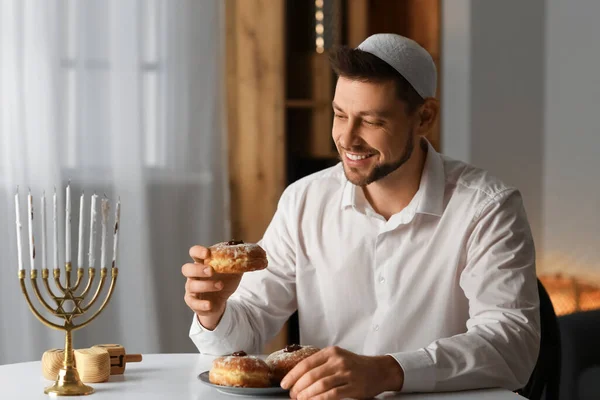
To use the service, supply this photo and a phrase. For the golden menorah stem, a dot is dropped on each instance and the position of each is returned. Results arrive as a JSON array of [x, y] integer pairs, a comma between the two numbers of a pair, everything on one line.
[[68, 382], [69, 357]]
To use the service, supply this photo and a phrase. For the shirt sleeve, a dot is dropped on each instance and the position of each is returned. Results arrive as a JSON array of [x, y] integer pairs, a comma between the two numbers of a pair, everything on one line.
[[264, 300], [501, 345]]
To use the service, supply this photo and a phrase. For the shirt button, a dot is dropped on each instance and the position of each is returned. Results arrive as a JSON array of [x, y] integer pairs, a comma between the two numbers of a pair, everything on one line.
[[376, 327], [381, 279]]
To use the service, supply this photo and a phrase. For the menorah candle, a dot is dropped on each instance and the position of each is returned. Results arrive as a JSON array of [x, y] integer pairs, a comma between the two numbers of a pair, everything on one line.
[[18, 223], [30, 221], [92, 254], [54, 220], [68, 225], [43, 208], [116, 233], [80, 233], [104, 209]]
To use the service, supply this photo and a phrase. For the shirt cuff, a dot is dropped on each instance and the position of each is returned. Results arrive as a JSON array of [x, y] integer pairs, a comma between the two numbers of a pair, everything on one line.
[[222, 330], [419, 371]]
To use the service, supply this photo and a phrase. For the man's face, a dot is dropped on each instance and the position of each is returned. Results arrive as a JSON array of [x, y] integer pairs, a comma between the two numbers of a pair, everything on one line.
[[372, 131]]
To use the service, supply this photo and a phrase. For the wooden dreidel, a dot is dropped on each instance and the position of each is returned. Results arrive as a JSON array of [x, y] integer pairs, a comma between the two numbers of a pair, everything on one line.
[[118, 357], [52, 362], [93, 364]]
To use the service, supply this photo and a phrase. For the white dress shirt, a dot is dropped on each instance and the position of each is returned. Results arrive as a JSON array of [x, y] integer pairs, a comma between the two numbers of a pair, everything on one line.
[[447, 286]]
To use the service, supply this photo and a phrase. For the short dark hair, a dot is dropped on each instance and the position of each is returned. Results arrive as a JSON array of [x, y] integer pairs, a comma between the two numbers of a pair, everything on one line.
[[359, 65]]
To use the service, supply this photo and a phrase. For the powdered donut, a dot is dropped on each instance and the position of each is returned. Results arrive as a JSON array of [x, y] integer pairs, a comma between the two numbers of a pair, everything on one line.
[[240, 370], [236, 257], [282, 361]]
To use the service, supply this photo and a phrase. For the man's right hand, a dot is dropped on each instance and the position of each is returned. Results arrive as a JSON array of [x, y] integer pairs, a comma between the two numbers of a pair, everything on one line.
[[206, 292]]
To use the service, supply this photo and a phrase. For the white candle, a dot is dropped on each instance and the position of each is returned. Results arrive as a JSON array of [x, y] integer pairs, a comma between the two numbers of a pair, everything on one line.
[[116, 233], [55, 226], [104, 223], [80, 233], [30, 221], [68, 225], [91, 254], [44, 265], [18, 223]]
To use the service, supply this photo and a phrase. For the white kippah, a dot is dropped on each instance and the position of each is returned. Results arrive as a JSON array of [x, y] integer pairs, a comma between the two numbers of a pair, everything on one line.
[[407, 57]]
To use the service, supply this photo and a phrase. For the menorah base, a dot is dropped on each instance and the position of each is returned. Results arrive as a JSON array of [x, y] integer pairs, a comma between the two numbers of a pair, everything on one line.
[[68, 383]]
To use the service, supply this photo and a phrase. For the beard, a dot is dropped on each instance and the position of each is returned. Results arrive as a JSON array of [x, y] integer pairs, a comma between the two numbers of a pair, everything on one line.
[[380, 171]]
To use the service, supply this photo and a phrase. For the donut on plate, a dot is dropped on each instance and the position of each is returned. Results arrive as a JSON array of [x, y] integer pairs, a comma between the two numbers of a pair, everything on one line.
[[282, 361], [240, 370]]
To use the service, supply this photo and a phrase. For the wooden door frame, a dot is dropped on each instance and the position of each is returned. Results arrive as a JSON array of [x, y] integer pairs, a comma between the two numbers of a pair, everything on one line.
[[255, 65]]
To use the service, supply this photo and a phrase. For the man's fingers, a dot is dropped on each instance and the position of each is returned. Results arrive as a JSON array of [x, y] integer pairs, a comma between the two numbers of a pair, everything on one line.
[[196, 286], [196, 304], [318, 376], [199, 252], [191, 270], [302, 368], [335, 393]]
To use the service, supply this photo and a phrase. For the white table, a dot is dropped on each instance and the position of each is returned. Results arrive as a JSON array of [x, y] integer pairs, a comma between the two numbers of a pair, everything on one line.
[[170, 376]]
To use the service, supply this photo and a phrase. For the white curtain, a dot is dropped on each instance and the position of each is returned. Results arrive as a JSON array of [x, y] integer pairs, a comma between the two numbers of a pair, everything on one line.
[[123, 98]]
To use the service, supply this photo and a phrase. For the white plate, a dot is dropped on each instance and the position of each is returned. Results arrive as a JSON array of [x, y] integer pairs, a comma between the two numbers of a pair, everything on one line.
[[241, 391]]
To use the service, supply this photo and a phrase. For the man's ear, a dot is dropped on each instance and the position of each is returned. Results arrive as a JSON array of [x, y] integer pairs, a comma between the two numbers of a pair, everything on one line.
[[428, 114]]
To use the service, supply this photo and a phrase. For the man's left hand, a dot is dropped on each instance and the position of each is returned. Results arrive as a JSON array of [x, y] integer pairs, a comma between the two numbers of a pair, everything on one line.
[[335, 373]]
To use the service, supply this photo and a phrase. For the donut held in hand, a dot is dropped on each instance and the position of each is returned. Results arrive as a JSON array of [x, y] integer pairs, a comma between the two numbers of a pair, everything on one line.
[[236, 257]]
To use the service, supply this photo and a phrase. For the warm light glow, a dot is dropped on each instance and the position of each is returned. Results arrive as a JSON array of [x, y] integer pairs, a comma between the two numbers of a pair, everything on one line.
[[319, 27], [570, 295], [589, 300]]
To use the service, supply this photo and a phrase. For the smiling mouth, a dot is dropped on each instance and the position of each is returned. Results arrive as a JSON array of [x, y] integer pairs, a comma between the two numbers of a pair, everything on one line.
[[358, 157]]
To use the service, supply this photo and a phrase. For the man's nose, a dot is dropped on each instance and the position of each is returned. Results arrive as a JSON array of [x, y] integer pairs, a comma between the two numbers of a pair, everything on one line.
[[350, 134]]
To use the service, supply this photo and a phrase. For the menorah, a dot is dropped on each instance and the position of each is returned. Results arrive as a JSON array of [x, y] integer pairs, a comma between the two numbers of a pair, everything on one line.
[[68, 382]]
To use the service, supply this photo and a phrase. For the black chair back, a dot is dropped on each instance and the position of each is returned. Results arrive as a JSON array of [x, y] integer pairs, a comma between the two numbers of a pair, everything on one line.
[[546, 374], [580, 369]]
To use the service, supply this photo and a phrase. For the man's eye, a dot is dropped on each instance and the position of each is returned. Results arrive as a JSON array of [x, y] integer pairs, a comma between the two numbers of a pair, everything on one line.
[[340, 116], [372, 123]]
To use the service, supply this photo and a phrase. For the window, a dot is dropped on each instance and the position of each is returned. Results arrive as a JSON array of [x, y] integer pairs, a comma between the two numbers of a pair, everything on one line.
[[84, 42]]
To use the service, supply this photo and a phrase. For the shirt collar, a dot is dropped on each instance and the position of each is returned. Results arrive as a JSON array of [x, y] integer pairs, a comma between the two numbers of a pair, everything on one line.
[[349, 193], [433, 183], [431, 187]]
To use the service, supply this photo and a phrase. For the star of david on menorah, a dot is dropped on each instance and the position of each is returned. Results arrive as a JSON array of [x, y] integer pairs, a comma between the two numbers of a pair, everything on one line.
[[69, 301]]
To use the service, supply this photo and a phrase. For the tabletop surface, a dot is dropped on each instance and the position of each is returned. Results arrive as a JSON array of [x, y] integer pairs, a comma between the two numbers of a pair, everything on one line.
[[173, 376]]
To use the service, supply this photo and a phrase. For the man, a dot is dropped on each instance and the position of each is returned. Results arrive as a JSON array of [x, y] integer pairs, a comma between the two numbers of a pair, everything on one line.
[[413, 272]]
